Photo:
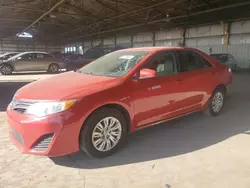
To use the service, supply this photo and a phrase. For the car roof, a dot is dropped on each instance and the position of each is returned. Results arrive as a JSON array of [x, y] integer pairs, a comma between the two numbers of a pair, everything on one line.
[[8, 53], [33, 52], [23, 53], [155, 49]]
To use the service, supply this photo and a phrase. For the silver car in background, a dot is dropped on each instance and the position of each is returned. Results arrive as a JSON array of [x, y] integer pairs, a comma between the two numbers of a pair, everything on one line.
[[31, 61], [5, 56], [226, 59]]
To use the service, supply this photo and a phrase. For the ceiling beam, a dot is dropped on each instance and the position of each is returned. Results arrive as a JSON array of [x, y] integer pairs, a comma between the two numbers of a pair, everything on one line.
[[209, 4], [126, 14], [84, 12], [28, 21], [114, 10], [37, 10], [172, 18], [87, 24], [44, 14], [127, 3]]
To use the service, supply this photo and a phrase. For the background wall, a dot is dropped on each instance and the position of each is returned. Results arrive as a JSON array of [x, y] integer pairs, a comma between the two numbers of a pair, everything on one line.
[[208, 38], [22, 45]]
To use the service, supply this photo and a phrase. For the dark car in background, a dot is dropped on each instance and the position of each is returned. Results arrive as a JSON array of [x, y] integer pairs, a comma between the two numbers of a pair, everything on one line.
[[226, 59], [76, 61]]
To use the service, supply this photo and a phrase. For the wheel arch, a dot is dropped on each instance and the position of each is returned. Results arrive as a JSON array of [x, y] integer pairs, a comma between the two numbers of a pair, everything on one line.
[[221, 86], [119, 107], [53, 63], [13, 68]]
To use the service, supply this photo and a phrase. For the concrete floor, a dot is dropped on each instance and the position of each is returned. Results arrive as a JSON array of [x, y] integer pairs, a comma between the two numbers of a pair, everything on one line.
[[193, 152]]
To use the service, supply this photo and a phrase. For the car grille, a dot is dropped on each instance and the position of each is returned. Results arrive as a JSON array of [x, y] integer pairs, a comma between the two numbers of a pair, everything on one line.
[[17, 136], [43, 142], [20, 106]]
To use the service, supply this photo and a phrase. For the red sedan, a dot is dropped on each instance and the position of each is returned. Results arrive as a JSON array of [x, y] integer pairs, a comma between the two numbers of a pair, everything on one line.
[[95, 108]]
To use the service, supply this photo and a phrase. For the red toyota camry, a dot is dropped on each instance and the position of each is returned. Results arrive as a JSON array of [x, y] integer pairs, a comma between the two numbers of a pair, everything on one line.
[[94, 108]]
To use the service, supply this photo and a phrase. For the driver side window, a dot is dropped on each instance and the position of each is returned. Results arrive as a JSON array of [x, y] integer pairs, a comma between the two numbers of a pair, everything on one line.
[[164, 63]]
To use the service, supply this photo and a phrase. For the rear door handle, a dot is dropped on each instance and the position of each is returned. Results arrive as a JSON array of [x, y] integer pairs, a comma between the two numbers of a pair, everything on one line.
[[180, 81]]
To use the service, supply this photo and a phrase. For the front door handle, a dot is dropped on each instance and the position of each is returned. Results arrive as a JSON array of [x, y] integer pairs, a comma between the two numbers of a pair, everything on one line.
[[180, 81], [154, 87]]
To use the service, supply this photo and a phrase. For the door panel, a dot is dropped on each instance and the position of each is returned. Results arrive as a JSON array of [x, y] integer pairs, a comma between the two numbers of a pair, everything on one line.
[[157, 99], [198, 77], [23, 62], [197, 85], [41, 61]]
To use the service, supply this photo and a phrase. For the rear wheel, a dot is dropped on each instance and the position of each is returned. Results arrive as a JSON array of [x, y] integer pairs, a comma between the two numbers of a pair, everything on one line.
[[53, 68], [6, 69], [216, 102], [103, 133]]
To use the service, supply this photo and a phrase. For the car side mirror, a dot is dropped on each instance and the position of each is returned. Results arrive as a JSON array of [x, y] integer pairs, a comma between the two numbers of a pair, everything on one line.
[[147, 73]]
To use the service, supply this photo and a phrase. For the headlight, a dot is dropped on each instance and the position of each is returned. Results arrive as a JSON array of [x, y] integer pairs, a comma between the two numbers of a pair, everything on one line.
[[229, 69], [41, 109]]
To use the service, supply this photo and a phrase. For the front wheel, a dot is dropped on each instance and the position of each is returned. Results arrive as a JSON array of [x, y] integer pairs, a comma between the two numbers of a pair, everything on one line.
[[103, 133], [53, 68], [216, 102], [6, 69]]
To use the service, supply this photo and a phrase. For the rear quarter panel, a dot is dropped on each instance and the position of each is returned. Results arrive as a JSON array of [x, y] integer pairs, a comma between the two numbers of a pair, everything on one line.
[[221, 74]]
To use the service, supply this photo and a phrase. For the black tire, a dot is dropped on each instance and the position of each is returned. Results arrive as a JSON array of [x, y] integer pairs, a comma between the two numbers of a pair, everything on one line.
[[211, 110], [6, 69], [53, 68], [85, 140]]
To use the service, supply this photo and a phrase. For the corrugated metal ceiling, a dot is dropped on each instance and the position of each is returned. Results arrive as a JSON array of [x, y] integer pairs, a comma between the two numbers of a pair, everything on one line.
[[79, 19]]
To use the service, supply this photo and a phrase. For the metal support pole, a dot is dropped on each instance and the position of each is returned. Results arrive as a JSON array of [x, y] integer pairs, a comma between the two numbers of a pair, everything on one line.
[[153, 38], [115, 41], [132, 41], [184, 36], [226, 32]]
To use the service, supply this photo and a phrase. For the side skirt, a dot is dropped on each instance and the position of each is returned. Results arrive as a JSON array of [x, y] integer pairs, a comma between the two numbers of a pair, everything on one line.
[[166, 120]]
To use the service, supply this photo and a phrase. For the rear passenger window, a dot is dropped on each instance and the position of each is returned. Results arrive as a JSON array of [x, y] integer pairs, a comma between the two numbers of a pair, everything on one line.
[[47, 56], [190, 61], [39, 56]]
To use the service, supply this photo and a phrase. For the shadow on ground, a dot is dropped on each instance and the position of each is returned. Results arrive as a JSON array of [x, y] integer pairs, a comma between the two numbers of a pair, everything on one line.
[[7, 91], [182, 136]]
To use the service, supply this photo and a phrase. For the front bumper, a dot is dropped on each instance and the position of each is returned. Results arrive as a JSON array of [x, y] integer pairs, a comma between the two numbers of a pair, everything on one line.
[[50, 136]]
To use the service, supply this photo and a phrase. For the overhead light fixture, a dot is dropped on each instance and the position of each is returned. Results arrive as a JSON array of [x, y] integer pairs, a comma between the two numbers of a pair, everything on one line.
[[24, 35], [52, 16], [168, 19]]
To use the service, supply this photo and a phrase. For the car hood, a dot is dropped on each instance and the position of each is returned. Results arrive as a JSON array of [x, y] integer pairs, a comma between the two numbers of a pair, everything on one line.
[[64, 85]]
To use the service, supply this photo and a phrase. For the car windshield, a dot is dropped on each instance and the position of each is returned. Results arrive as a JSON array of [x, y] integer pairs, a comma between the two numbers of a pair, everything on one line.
[[114, 64]]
